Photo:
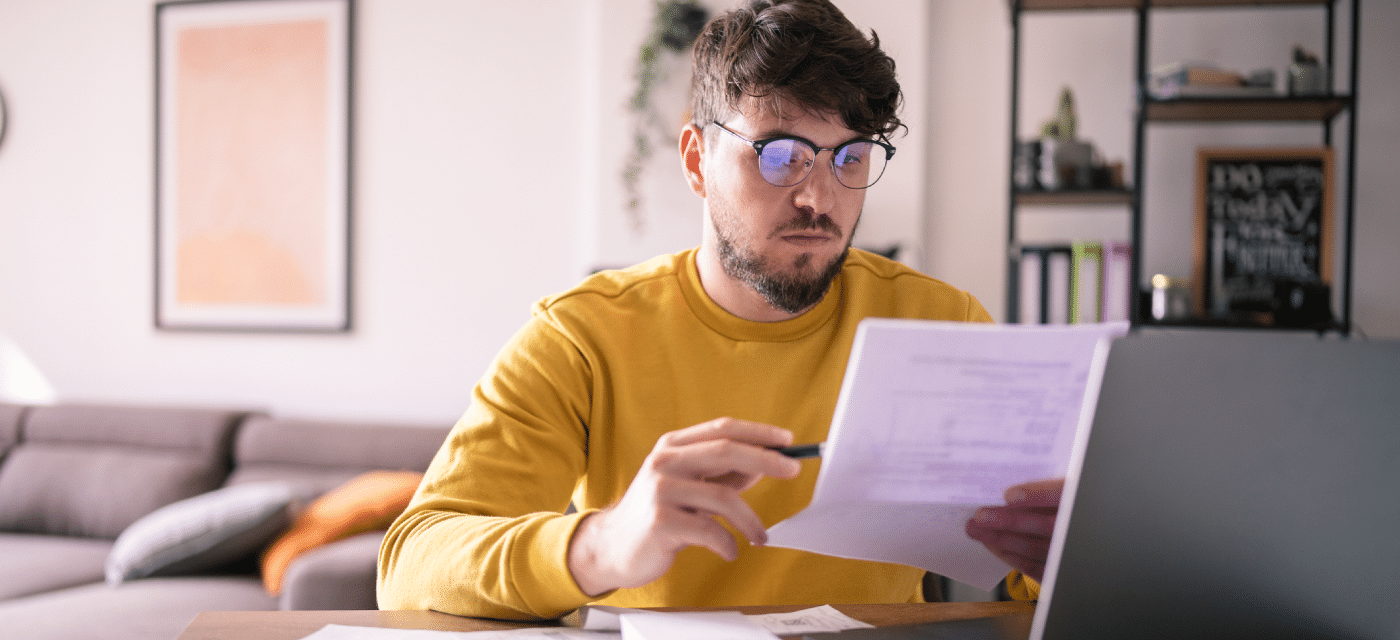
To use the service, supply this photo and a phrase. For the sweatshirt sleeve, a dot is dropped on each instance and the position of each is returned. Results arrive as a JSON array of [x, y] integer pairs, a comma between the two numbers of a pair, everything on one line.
[[1022, 587], [976, 312], [486, 534]]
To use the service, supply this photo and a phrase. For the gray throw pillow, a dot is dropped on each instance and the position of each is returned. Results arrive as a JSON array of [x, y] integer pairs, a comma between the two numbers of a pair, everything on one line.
[[202, 532]]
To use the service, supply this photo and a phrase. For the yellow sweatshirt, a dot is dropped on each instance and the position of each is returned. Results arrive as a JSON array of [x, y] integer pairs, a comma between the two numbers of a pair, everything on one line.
[[575, 402]]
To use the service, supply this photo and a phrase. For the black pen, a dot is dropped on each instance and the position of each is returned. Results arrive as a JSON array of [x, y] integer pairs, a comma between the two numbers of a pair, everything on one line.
[[813, 450]]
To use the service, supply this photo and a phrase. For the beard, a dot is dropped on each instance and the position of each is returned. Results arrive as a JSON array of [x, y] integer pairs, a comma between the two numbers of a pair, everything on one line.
[[795, 291]]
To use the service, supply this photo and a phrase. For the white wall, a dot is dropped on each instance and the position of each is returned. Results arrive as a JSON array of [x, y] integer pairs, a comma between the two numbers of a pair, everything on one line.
[[1376, 298], [451, 246]]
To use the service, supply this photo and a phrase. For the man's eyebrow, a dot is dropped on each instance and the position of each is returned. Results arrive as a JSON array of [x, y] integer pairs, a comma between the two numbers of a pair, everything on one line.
[[776, 133], [781, 133]]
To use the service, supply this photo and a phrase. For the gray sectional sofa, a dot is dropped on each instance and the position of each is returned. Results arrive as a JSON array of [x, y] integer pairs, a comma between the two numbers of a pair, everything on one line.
[[116, 521]]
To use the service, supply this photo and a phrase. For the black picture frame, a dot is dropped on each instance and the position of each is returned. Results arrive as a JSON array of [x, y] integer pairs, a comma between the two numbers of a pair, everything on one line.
[[253, 160], [1263, 230]]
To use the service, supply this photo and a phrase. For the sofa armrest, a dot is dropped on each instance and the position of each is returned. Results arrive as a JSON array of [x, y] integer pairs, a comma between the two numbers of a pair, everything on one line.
[[339, 575]]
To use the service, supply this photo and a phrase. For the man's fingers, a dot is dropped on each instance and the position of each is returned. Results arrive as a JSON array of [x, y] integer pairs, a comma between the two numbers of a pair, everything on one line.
[[1024, 553], [1019, 533], [704, 531], [1000, 540], [1035, 522], [734, 480], [1037, 493], [1028, 566], [687, 490], [754, 433], [709, 499], [739, 464]]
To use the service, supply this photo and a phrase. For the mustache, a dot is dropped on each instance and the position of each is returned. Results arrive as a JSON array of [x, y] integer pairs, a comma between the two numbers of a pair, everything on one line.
[[806, 222]]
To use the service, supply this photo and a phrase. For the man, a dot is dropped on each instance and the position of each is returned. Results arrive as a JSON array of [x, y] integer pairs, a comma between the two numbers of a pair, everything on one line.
[[653, 397]]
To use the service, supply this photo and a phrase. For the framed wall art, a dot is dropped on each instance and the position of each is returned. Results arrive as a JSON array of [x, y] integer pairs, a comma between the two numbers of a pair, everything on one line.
[[2, 117], [1263, 232], [253, 165]]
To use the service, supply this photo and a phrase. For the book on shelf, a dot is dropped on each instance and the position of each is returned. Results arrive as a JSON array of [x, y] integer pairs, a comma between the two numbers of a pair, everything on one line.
[[1189, 91], [1200, 80], [1086, 281], [1029, 279], [1117, 280], [1077, 282], [1044, 284], [1196, 73]]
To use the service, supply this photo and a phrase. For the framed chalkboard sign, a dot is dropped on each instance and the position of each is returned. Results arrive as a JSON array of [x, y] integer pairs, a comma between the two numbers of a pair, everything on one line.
[[1263, 232]]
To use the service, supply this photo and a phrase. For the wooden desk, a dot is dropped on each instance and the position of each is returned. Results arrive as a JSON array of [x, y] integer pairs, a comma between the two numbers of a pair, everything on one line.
[[293, 625]]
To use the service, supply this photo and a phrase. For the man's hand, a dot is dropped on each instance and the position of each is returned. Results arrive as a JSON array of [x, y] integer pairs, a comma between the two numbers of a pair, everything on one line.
[[691, 477], [1019, 533]]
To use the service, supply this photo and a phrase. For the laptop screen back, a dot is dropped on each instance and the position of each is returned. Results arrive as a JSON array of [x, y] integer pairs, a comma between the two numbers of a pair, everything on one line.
[[1237, 485]]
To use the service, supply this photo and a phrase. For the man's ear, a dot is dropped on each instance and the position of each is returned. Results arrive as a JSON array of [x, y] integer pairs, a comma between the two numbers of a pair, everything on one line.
[[692, 146]]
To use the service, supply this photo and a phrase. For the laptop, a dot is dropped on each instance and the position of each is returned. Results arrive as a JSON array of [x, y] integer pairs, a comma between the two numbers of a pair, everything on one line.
[[1234, 485]]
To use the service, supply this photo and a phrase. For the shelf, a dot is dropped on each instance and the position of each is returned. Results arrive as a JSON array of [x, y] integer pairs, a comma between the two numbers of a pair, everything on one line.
[[1103, 196], [1235, 323], [1067, 5], [1242, 107], [1282, 108]]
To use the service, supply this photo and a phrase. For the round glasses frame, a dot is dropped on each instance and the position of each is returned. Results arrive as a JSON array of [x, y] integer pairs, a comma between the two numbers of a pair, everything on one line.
[[759, 145]]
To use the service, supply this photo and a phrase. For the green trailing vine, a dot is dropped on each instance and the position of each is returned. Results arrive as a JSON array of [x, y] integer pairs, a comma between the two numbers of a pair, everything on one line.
[[674, 27]]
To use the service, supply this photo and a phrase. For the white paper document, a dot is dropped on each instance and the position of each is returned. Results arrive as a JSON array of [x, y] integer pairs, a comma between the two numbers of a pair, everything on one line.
[[702, 625], [597, 617], [821, 619], [347, 632], [825, 618], [605, 623], [936, 419]]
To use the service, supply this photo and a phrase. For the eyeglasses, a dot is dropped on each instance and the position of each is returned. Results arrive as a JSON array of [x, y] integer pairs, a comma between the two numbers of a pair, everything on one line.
[[787, 160]]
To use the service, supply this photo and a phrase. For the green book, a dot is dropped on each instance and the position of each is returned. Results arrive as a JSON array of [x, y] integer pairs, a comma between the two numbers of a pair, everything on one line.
[[1086, 282]]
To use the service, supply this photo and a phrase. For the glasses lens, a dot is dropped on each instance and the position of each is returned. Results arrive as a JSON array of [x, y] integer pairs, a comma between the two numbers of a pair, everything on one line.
[[859, 164], [785, 162]]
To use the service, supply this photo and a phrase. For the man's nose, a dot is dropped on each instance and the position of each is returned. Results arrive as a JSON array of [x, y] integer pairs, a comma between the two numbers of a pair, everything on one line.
[[818, 191]]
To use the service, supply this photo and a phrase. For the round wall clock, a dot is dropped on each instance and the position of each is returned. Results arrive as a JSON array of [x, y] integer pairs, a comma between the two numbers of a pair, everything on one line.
[[2, 117]]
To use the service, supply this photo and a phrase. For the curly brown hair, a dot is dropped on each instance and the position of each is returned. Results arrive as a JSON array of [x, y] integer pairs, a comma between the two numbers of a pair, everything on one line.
[[800, 53]]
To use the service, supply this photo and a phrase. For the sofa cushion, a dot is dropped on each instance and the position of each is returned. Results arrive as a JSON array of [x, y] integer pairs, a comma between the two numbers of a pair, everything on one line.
[[207, 531], [324, 455], [197, 430], [34, 563], [10, 415], [92, 470], [95, 493], [367, 502], [339, 575], [137, 610]]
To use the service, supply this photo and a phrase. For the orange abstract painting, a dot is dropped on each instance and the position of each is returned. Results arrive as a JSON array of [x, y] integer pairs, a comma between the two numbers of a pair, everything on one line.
[[251, 157], [253, 164]]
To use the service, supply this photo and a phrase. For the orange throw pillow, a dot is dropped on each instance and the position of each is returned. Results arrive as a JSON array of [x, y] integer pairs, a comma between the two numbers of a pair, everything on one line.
[[367, 502]]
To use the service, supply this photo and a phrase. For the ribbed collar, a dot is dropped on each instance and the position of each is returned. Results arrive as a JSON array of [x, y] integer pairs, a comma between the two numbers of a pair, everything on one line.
[[736, 328]]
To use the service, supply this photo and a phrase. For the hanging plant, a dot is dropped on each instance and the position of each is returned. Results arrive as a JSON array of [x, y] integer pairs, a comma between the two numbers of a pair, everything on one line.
[[674, 28]]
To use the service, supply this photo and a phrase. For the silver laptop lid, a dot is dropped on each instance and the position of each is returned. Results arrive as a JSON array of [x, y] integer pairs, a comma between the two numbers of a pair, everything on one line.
[[1236, 485]]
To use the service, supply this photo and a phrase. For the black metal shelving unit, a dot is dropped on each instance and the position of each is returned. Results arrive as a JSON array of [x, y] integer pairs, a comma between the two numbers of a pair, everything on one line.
[[1320, 109]]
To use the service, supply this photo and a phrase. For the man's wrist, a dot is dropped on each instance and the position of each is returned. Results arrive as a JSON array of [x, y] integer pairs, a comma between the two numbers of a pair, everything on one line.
[[583, 561]]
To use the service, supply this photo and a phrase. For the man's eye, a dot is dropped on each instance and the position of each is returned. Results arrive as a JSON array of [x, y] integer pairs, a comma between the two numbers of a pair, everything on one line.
[[776, 160], [854, 154], [784, 153]]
